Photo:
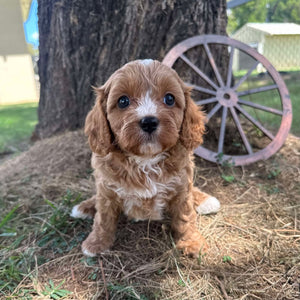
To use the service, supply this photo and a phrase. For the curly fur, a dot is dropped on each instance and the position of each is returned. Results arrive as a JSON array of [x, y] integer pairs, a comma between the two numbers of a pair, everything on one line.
[[140, 174]]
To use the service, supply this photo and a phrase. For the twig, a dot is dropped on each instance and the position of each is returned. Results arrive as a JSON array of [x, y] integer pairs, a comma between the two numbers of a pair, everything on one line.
[[72, 273], [295, 219], [273, 212], [36, 266], [276, 231], [104, 281], [180, 275], [222, 287], [204, 179], [247, 295], [239, 228], [241, 196], [243, 172]]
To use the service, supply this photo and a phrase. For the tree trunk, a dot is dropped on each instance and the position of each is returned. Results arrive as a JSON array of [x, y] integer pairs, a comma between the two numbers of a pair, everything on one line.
[[83, 42]]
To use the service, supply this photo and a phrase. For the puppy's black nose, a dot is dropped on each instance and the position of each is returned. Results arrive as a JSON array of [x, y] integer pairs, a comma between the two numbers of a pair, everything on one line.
[[149, 124]]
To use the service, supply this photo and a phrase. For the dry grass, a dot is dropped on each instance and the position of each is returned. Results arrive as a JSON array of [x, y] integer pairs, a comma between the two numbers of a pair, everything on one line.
[[254, 239]]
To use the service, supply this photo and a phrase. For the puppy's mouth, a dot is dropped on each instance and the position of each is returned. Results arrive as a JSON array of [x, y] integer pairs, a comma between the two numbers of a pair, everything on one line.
[[149, 143], [148, 138], [150, 148]]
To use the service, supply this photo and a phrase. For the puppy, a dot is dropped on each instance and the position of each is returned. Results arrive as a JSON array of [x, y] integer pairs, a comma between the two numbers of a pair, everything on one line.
[[142, 131]]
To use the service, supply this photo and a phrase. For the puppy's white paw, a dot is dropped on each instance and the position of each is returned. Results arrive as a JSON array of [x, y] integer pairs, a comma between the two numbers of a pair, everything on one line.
[[88, 253], [208, 206], [76, 213]]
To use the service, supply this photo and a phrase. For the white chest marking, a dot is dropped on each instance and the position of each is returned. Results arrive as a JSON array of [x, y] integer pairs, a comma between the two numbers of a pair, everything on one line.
[[154, 187]]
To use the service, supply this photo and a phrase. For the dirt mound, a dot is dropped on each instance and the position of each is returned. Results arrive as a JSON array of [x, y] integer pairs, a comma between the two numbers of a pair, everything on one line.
[[50, 168], [254, 240]]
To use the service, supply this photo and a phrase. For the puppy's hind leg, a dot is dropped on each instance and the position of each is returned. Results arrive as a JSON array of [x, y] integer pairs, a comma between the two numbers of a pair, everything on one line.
[[85, 210], [205, 204]]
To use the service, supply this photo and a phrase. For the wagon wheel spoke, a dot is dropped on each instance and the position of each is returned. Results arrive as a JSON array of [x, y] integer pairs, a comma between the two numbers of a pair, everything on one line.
[[256, 123], [261, 107], [206, 101], [213, 65], [229, 73], [240, 129], [222, 130], [213, 111], [258, 90], [201, 89], [198, 71], [246, 75]]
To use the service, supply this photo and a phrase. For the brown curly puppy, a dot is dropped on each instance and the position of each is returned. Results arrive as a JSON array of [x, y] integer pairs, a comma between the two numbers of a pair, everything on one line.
[[142, 131]]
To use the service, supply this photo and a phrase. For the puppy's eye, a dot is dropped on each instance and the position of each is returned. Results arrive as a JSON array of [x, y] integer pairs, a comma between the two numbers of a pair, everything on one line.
[[169, 99], [123, 102]]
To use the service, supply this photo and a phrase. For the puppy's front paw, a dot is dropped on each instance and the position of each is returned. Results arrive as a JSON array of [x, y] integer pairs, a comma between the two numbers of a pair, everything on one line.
[[192, 247], [93, 246]]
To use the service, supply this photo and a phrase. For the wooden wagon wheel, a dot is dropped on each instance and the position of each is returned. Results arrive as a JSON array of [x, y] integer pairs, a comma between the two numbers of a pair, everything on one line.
[[224, 95]]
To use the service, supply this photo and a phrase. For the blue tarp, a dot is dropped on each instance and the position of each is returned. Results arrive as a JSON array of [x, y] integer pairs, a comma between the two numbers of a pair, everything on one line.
[[31, 28]]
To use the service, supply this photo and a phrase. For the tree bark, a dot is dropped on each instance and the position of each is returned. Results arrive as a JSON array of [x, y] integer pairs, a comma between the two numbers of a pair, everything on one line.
[[83, 42]]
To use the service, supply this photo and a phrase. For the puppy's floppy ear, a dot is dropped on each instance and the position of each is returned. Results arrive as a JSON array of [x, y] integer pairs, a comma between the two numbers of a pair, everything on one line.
[[193, 126], [96, 125]]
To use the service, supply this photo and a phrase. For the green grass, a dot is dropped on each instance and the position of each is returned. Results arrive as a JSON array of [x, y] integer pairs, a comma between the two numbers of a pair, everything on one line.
[[294, 90], [17, 123], [54, 292], [20, 255], [271, 99]]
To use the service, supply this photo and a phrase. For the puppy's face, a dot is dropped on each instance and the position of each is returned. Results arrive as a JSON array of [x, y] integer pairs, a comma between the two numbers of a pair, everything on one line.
[[145, 107]]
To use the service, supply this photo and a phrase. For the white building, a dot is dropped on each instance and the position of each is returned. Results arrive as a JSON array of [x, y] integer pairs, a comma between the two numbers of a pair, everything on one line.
[[278, 42]]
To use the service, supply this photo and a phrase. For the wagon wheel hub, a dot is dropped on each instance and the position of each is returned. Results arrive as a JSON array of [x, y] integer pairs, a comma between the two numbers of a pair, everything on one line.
[[227, 97]]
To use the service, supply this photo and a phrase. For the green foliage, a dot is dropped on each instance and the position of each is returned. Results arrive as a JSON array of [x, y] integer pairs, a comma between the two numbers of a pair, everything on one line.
[[56, 233], [10, 272], [6, 219], [90, 261], [14, 267], [271, 190], [273, 173], [262, 11], [226, 163], [201, 257], [93, 275], [226, 168], [127, 292], [226, 259], [182, 283], [55, 292], [16, 125], [228, 178], [293, 85]]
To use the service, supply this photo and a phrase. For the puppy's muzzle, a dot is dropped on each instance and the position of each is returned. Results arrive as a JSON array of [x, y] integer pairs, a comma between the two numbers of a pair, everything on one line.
[[149, 124]]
